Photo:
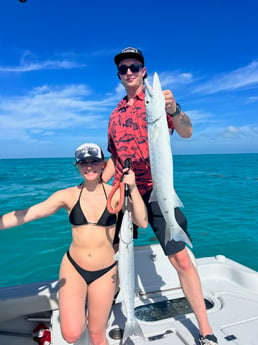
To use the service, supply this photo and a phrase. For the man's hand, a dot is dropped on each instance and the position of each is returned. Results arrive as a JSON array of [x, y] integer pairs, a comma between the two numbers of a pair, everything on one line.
[[170, 102]]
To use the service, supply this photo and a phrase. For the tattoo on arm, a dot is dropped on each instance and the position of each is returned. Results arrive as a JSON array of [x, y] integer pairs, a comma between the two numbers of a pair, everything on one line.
[[185, 121]]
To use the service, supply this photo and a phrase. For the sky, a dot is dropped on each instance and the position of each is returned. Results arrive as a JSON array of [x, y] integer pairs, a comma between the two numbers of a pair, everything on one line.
[[58, 82]]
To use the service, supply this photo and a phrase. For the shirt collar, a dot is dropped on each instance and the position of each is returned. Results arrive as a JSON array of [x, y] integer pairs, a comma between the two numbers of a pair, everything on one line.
[[140, 96]]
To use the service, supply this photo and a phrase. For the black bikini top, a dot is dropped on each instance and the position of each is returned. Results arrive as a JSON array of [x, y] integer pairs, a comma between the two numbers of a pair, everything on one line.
[[76, 216]]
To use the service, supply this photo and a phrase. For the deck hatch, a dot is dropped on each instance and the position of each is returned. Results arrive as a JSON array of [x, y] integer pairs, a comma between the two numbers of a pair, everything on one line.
[[166, 309]]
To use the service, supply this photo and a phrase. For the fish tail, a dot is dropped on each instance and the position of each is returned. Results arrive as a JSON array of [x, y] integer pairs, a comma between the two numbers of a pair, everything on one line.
[[133, 328], [153, 196], [116, 256], [119, 298], [177, 233]]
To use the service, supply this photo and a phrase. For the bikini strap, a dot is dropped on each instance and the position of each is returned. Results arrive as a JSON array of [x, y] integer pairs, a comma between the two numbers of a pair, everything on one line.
[[82, 184], [104, 190]]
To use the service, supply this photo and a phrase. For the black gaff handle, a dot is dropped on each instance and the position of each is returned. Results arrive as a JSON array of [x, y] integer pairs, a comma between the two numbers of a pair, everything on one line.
[[124, 191], [127, 165]]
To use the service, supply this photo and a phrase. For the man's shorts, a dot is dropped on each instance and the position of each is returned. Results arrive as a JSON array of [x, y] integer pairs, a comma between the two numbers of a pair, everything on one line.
[[158, 224]]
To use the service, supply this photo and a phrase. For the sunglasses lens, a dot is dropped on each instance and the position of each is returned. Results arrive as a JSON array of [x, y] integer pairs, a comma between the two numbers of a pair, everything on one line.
[[89, 162], [123, 69], [134, 68]]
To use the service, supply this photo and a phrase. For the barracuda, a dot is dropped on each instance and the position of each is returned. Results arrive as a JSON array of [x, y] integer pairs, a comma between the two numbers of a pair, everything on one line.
[[125, 258], [161, 160]]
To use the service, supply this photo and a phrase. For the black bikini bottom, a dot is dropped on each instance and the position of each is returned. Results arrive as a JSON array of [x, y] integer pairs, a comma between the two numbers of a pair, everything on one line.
[[89, 276]]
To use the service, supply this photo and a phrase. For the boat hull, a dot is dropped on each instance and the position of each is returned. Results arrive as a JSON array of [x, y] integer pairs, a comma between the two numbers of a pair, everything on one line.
[[230, 290]]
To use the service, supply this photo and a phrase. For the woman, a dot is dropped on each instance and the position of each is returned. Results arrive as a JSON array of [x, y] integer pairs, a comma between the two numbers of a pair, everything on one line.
[[88, 269]]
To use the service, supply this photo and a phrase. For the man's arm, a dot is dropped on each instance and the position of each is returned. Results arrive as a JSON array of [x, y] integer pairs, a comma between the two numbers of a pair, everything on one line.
[[181, 121], [109, 170], [183, 125]]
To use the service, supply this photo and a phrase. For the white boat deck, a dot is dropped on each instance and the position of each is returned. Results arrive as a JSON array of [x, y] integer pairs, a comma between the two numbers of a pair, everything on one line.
[[231, 289]]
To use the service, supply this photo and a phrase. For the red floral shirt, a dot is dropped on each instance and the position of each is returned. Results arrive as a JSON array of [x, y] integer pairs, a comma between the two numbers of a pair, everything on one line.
[[128, 138]]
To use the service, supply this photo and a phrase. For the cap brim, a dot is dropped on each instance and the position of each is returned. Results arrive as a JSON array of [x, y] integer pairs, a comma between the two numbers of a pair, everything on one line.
[[90, 159]]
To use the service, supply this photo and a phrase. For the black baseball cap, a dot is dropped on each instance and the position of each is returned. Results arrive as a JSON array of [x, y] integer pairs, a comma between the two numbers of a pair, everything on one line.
[[128, 53]]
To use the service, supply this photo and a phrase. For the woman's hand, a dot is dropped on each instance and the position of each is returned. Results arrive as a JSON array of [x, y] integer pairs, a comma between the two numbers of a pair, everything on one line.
[[129, 178]]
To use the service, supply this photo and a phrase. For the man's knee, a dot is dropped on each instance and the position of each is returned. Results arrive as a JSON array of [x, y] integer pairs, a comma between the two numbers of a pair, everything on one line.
[[181, 261]]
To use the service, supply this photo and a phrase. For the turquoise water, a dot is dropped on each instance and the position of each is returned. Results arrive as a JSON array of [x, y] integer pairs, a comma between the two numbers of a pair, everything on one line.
[[219, 193]]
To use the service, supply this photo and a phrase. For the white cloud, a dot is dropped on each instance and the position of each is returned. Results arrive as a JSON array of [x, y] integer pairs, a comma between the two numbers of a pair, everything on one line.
[[45, 65], [29, 62], [48, 109], [70, 113], [227, 132], [253, 99], [232, 132], [240, 78], [174, 79], [198, 117]]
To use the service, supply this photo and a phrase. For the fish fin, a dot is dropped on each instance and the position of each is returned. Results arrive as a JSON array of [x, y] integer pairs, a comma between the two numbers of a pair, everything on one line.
[[116, 256], [119, 297], [176, 233], [133, 329], [177, 201], [153, 196]]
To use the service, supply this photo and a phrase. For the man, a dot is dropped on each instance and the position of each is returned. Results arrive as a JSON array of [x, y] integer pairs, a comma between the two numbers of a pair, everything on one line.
[[128, 138]]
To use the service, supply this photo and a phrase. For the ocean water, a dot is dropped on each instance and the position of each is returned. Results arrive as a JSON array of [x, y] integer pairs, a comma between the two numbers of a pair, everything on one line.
[[219, 193]]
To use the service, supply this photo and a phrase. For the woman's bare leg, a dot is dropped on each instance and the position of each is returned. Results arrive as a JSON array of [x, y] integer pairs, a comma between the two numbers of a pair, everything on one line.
[[72, 298], [100, 298]]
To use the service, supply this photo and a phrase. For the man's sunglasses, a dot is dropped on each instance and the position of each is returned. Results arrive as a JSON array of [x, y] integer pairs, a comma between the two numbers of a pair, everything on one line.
[[134, 68]]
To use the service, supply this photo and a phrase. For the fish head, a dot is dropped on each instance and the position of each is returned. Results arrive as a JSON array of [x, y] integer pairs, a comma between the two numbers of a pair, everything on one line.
[[154, 99]]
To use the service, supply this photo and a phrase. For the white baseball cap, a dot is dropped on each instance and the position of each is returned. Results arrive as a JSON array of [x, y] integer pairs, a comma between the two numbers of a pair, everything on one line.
[[88, 152]]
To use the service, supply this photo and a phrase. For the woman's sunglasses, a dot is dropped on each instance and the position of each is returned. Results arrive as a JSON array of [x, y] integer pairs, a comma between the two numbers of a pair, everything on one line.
[[134, 68], [89, 162]]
